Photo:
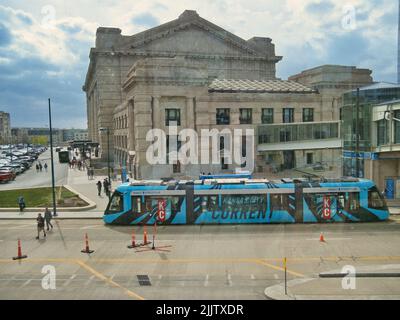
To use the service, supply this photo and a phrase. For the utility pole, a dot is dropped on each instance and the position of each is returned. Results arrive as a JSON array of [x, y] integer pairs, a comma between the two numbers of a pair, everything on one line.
[[52, 164], [358, 133], [108, 154]]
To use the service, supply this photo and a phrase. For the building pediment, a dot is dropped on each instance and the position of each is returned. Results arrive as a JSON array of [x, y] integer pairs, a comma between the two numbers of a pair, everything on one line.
[[192, 34]]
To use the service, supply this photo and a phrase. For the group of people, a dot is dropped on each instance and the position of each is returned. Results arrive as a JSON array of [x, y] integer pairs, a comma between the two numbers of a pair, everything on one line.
[[44, 221], [106, 185], [40, 167], [77, 164]]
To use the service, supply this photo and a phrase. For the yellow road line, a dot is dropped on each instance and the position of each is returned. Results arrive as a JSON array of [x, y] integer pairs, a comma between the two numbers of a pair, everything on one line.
[[108, 280], [272, 266]]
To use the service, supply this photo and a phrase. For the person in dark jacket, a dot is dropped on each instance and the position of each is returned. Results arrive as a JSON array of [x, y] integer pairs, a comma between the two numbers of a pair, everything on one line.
[[21, 203], [105, 186], [47, 218], [40, 226], [99, 187]]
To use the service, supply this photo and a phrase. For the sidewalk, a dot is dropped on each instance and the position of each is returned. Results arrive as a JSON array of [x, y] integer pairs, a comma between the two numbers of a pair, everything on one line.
[[373, 288], [78, 180]]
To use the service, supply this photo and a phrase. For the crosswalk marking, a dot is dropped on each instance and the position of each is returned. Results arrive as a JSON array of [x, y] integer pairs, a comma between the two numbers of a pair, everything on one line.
[[69, 280], [206, 281]]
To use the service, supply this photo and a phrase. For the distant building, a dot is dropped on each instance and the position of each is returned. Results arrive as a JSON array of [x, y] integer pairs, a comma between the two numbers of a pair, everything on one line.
[[36, 135], [5, 127], [75, 134]]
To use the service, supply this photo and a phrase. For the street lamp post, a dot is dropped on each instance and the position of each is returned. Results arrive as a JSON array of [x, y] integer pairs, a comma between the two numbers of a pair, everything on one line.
[[107, 130], [52, 164]]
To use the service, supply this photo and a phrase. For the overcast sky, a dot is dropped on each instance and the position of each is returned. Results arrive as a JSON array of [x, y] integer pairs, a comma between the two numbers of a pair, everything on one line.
[[44, 45]]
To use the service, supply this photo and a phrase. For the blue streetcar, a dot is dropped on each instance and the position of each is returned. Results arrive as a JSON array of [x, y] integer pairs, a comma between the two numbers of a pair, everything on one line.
[[246, 201]]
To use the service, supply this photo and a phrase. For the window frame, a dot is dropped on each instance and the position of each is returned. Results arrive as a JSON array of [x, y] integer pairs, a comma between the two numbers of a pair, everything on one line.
[[290, 115], [248, 112], [308, 114], [176, 118], [270, 116], [223, 116]]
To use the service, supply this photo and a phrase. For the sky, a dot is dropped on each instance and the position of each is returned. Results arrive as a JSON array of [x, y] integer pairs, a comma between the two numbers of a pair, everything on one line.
[[44, 45]]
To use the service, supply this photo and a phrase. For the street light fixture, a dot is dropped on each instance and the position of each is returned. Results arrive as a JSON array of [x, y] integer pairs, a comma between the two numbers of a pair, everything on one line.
[[104, 129]]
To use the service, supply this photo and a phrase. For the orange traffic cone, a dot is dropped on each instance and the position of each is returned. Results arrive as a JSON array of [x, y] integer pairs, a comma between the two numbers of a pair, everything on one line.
[[321, 237], [145, 242], [133, 245], [20, 256], [87, 250]]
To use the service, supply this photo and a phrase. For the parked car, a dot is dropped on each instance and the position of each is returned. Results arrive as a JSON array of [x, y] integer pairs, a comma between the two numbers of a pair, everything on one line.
[[16, 167], [6, 175]]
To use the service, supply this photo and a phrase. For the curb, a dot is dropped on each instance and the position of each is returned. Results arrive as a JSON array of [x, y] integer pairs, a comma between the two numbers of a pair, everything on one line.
[[277, 292], [92, 205]]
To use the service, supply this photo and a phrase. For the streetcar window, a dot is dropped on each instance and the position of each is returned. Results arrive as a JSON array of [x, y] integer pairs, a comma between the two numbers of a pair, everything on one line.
[[244, 203], [137, 204], [375, 199], [209, 203], [116, 203], [354, 201], [279, 201], [152, 201], [349, 201]]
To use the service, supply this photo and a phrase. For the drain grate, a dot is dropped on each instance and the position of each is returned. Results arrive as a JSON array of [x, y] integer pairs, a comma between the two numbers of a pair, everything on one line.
[[144, 280]]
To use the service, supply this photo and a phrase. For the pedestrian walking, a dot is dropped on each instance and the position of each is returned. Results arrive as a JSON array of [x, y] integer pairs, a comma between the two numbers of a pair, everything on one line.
[[45, 167], [47, 218], [92, 173], [37, 167], [21, 203], [88, 173], [105, 186], [99, 187], [108, 189], [40, 167], [40, 226]]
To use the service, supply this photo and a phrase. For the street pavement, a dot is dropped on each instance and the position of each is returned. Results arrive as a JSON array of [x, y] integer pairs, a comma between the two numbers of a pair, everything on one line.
[[194, 262]]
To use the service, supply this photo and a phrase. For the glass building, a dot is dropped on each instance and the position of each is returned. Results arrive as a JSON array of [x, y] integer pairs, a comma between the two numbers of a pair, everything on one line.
[[361, 125]]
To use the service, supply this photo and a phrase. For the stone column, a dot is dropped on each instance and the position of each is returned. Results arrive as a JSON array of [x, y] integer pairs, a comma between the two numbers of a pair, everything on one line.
[[142, 124], [190, 117], [157, 121]]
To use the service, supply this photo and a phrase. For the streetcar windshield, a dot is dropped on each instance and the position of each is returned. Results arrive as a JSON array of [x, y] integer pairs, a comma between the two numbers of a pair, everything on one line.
[[116, 203]]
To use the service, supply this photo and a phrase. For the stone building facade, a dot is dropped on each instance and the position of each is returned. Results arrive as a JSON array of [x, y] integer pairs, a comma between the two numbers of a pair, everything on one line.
[[5, 127], [203, 77]]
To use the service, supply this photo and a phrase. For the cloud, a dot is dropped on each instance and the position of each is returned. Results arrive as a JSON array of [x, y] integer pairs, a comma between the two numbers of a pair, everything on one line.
[[5, 36], [322, 7]]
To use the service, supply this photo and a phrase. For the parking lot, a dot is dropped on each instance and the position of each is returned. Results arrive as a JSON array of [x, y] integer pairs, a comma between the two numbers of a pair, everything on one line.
[[30, 177], [189, 262]]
